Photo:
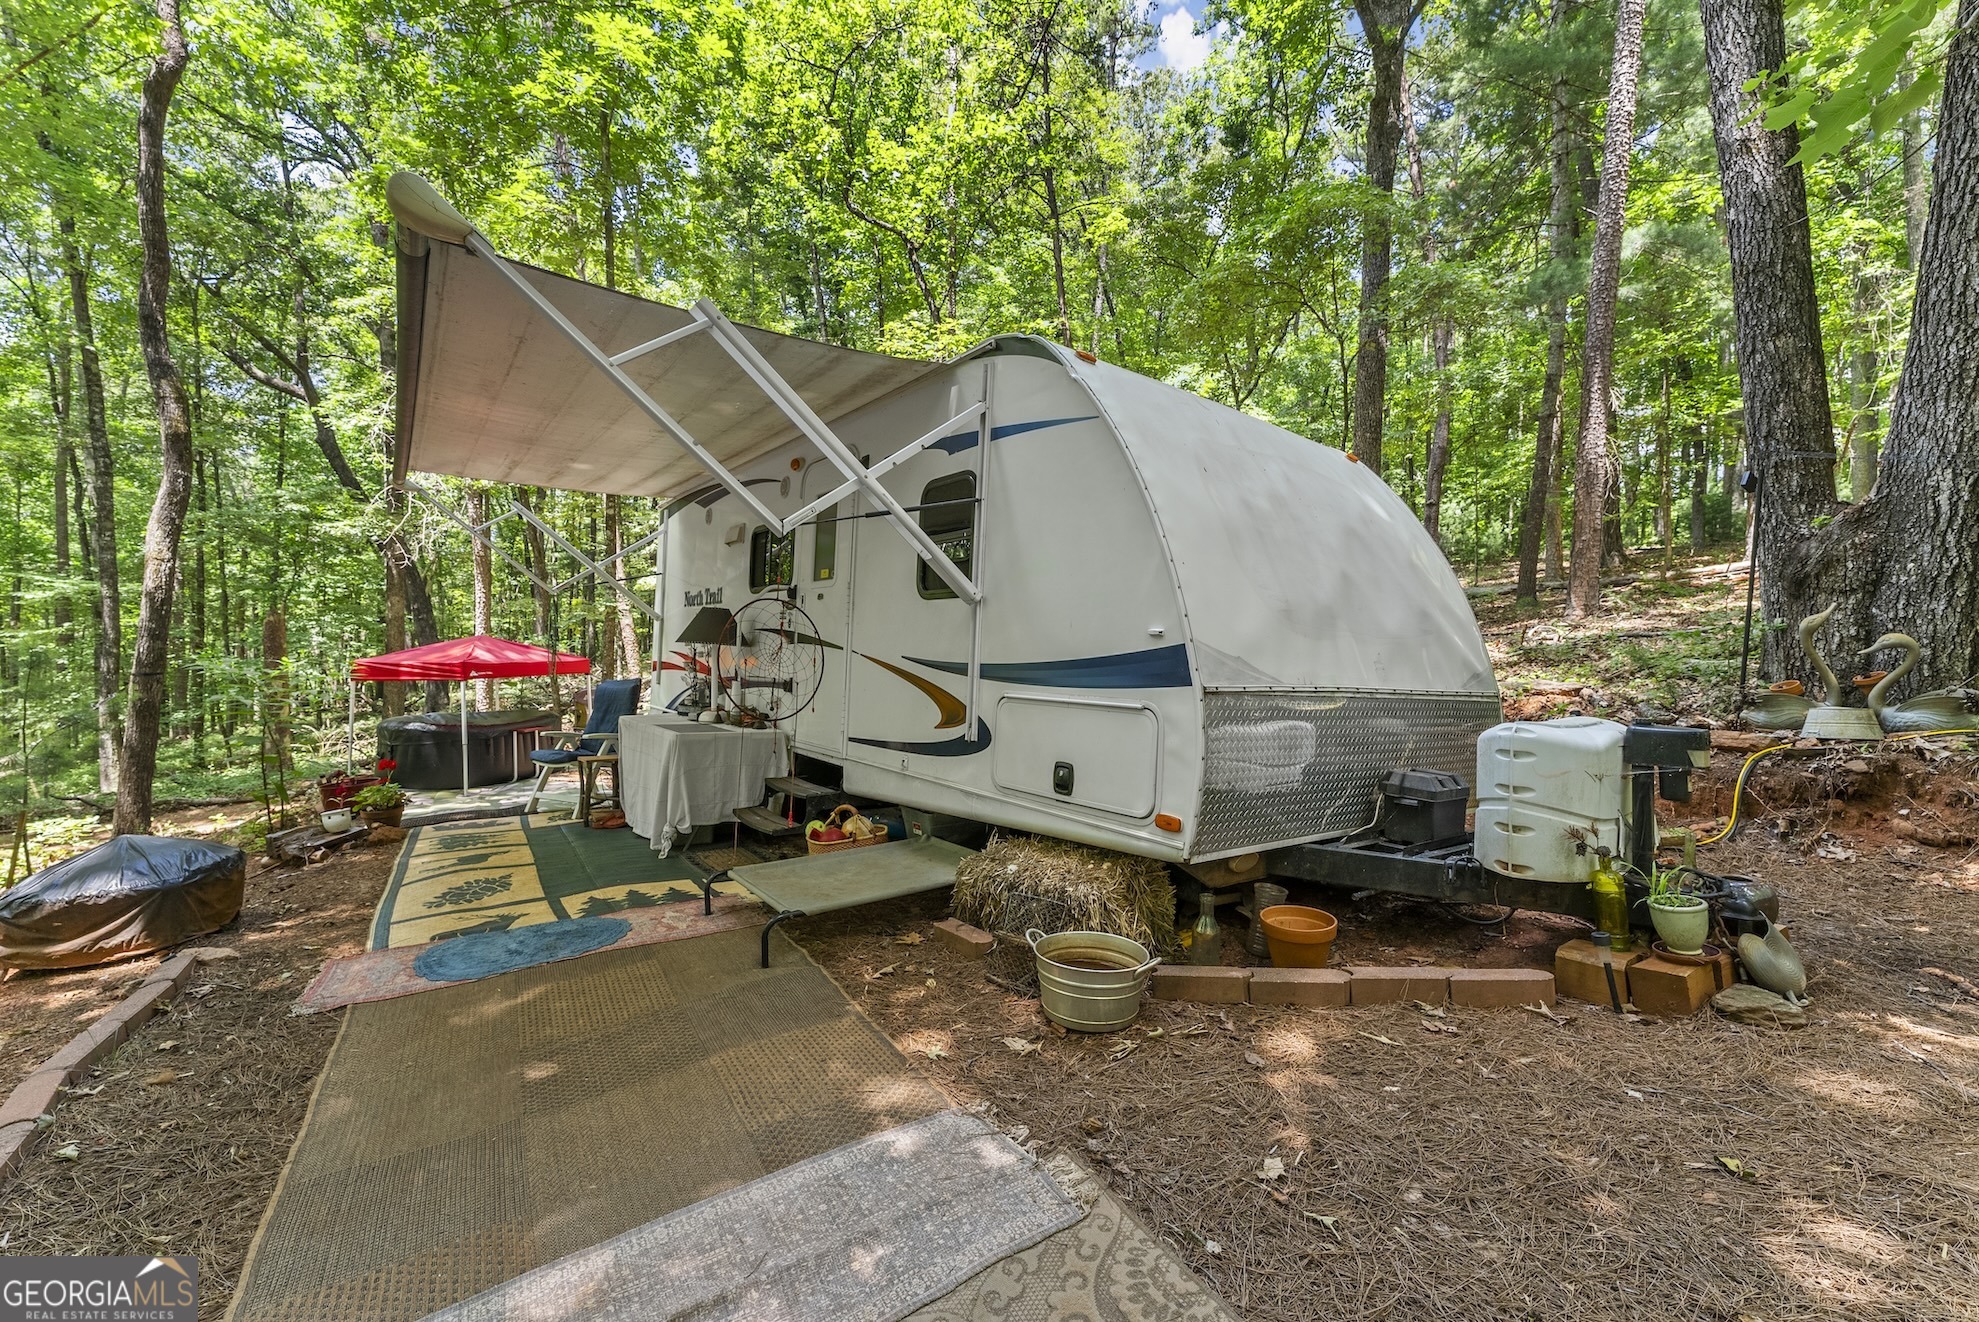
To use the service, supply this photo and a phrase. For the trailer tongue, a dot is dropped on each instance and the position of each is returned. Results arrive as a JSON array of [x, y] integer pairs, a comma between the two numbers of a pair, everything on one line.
[[1553, 798]]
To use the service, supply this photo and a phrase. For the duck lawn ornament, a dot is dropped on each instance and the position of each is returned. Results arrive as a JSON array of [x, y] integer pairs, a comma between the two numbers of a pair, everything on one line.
[[1945, 709], [1773, 963], [1782, 709]]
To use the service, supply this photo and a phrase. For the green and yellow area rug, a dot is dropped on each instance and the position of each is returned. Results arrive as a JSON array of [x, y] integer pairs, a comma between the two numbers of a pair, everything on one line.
[[462, 878]]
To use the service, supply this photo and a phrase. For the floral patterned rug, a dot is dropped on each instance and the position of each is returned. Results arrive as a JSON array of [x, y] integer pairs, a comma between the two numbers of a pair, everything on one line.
[[489, 875]]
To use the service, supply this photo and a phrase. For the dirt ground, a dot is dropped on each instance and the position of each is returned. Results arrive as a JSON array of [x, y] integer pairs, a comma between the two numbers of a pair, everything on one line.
[[180, 1135], [1508, 1164], [1468, 1164]]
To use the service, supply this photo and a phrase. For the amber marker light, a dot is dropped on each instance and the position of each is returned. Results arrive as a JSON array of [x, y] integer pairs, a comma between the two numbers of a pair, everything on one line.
[[1168, 821]]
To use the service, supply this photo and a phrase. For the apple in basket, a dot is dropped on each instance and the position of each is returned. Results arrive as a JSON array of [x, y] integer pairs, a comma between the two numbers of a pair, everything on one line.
[[831, 835]]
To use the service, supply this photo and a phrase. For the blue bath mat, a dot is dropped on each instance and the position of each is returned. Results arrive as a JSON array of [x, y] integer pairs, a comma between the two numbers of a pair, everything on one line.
[[484, 954]]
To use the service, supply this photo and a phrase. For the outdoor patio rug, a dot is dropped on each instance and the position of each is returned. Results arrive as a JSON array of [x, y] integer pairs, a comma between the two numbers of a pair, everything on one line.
[[461, 1137], [380, 975], [864, 1233], [492, 874], [1105, 1268]]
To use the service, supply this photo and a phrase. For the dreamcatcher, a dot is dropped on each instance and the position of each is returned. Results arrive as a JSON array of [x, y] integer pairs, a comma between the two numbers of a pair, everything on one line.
[[771, 659]]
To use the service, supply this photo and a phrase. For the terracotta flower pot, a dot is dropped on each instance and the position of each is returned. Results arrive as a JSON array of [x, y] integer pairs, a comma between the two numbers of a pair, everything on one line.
[[1298, 937], [384, 816]]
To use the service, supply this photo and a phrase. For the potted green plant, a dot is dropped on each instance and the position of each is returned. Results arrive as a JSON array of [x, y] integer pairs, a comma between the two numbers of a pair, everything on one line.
[[381, 805], [1682, 918]]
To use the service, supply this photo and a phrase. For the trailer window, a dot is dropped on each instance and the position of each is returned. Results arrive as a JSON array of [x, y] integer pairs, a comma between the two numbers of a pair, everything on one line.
[[951, 525], [769, 559], [824, 545]]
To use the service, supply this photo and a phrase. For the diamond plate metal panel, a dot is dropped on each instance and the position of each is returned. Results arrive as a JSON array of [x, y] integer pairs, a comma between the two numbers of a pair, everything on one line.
[[1287, 765]]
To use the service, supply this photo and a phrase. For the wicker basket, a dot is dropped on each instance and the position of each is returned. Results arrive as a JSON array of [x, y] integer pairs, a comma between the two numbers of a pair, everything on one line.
[[843, 813]]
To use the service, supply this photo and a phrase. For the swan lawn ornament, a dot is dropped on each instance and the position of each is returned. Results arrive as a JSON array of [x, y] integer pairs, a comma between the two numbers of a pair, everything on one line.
[[1784, 707], [1946, 709], [1830, 719]]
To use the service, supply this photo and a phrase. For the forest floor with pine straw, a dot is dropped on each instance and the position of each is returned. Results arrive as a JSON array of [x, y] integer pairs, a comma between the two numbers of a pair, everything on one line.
[[1470, 1164], [180, 1134]]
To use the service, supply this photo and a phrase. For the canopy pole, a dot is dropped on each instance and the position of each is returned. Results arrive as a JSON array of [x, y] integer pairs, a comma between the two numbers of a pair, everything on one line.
[[350, 736], [463, 734]]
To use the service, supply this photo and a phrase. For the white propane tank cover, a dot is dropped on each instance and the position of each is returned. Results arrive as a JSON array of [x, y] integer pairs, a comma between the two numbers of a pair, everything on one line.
[[1548, 794]]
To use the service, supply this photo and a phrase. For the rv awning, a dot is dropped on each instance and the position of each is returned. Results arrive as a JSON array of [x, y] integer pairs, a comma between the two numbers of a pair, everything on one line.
[[490, 388]]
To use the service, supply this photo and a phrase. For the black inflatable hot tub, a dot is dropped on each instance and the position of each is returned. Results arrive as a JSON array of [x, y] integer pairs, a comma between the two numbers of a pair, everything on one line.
[[427, 746]]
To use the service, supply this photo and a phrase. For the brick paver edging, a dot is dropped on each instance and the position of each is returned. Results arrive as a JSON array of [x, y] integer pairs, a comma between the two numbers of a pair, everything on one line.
[[35, 1096]]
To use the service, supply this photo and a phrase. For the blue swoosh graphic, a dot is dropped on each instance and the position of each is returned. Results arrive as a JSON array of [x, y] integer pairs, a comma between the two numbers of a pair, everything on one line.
[[1151, 668], [956, 747], [966, 440]]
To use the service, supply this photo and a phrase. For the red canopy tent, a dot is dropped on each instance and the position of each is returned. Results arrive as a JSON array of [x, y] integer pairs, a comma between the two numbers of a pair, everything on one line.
[[479, 657], [459, 660]]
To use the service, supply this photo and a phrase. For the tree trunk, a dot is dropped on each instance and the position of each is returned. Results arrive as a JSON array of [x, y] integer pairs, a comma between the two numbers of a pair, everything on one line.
[[391, 693], [1539, 497], [1863, 366], [484, 586], [62, 404], [1790, 438], [1594, 462], [1918, 541], [1916, 197], [1700, 481], [168, 395], [1385, 24], [1666, 532], [275, 695], [1442, 338], [628, 626], [103, 519]]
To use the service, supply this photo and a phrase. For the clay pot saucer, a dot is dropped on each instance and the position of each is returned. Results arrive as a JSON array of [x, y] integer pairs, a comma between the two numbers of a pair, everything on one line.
[[1708, 955]]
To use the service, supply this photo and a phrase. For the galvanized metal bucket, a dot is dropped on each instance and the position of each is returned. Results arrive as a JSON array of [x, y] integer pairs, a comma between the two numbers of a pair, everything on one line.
[[1085, 998]]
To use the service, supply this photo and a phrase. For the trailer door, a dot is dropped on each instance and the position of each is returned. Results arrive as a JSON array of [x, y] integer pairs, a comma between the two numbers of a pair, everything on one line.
[[824, 589]]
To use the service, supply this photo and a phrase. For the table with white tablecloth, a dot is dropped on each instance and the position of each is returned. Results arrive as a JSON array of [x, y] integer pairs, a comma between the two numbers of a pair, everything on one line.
[[676, 774]]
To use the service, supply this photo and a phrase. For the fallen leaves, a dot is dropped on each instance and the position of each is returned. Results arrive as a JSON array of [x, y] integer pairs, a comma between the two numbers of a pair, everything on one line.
[[909, 939], [1332, 1223], [1376, 1037], [1252, 1058], [1271, 1168], [1022, 1046], [161, 1078], [67, 1152]]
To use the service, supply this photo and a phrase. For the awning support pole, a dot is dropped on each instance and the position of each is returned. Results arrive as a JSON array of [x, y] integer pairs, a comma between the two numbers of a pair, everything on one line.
[[886, 465], [775, 389], [463, 736], [793, 407], [350, 737], [476, 533], [611, 581], [976, 560], [580, 576], [482, 249]]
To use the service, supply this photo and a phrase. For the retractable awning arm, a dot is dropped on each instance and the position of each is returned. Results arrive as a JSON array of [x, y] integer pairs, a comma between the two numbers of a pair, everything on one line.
[[416, 204]]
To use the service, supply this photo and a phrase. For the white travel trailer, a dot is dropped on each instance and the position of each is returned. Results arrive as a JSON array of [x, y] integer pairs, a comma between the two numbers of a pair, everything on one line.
[[1049, 593]]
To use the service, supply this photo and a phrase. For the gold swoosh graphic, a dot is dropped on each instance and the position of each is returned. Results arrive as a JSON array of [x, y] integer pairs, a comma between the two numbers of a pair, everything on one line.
[[953, 710]]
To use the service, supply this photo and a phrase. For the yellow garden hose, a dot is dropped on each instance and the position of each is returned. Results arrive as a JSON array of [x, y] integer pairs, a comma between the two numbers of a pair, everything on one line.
[[1738, 789]]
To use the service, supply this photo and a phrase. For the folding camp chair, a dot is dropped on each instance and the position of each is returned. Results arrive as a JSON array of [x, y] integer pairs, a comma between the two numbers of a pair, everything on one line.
[[599, 738]]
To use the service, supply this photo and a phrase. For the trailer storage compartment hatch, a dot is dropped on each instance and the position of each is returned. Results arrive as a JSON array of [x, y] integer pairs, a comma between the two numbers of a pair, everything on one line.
[[1096, 754]]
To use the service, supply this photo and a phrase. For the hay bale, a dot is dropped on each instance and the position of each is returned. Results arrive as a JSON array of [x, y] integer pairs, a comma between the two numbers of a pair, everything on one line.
[[1020, 882]]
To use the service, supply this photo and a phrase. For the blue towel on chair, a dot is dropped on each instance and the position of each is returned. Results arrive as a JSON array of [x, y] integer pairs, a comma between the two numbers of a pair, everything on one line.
[[553, 757]]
